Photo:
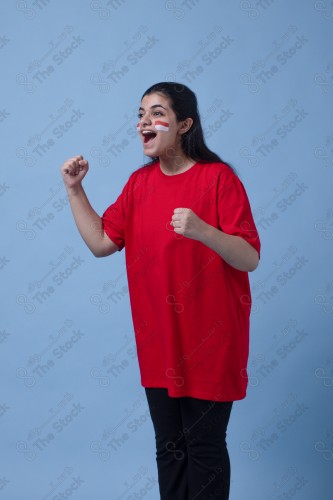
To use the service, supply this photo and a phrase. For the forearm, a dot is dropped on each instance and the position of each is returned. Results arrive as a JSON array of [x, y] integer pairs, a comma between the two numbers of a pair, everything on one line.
[[236, 251], [88, 222]]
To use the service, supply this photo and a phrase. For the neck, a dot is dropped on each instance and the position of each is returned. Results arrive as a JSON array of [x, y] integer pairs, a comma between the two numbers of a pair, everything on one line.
[[172, 164]]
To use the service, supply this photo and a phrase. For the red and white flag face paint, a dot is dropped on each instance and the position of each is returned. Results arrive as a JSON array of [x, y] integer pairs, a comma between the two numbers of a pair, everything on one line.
[[159, 125]]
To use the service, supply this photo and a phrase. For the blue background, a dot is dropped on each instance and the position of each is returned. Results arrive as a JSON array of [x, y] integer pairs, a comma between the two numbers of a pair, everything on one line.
[[73, 415]]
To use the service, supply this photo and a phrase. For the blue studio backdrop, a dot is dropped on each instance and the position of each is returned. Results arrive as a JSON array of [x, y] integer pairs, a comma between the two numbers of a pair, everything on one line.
[[74, 422]]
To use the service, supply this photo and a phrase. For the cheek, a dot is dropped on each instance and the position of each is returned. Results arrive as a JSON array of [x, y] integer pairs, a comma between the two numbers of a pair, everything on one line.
[[161, 125]]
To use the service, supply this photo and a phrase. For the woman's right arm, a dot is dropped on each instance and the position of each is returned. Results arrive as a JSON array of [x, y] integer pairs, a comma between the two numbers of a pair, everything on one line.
[[88, 222]]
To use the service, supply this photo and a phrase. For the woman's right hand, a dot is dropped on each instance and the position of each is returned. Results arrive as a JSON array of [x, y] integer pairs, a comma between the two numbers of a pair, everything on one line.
[[74, 170]]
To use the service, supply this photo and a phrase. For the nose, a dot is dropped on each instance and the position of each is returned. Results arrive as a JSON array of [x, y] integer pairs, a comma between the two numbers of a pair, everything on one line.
[[146, 120]]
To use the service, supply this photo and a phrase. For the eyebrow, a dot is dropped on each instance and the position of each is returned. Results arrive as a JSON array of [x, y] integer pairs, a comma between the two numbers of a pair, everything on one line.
[[154, 106]]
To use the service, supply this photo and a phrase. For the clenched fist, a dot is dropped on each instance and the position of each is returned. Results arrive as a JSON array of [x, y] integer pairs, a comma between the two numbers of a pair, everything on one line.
[[73, 171], [187, 223]]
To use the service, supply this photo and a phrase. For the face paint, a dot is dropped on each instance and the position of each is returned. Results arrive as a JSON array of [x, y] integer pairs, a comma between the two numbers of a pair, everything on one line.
[[138, 127], [159, 125]]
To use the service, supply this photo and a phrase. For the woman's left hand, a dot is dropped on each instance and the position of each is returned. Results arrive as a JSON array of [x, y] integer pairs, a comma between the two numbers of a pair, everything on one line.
[[187, 223]]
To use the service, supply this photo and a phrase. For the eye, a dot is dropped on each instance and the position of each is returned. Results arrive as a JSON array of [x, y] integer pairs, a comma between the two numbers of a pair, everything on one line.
[[157, 113], [140, 115]]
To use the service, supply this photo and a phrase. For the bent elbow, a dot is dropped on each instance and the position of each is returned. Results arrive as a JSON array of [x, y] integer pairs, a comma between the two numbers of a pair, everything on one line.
[[104, 251], [98, 253], [254, 264]]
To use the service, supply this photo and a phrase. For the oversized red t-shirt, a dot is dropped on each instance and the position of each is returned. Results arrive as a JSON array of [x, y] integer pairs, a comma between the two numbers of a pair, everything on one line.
[[190, 308]]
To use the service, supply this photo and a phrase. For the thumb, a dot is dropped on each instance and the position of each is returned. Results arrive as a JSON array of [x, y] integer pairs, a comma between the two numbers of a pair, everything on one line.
[[179, 210]]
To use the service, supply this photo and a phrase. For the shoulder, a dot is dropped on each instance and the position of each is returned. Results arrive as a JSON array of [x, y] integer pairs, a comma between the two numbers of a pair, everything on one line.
[[228, 183], [220, 171]]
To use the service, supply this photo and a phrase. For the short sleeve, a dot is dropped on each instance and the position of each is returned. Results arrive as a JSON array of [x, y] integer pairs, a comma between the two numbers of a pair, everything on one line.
[[234, 211], [114, 219]]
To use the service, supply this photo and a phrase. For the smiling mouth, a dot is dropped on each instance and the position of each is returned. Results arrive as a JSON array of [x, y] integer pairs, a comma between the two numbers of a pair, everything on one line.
[[148, 136]]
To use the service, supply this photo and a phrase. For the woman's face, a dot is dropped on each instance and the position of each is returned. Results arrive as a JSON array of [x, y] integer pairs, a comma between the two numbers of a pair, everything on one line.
[[158, 127]]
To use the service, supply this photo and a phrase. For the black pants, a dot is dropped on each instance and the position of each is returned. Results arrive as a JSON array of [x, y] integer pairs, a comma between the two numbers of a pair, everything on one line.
[[191, 451]]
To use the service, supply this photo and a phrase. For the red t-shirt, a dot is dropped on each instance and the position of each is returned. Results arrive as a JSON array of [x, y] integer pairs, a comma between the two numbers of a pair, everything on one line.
[[190, 308]]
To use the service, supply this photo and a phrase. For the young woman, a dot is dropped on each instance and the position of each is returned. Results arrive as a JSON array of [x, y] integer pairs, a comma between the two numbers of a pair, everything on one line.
[[186, 224]]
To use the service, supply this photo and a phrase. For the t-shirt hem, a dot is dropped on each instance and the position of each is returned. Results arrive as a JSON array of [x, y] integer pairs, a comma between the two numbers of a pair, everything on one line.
[[211, 395]]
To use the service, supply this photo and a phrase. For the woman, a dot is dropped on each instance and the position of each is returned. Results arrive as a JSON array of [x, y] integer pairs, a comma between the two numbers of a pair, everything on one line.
[[186, 223]]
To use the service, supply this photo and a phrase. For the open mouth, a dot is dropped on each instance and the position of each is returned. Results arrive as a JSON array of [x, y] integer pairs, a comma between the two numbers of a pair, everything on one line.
[[148, 136]]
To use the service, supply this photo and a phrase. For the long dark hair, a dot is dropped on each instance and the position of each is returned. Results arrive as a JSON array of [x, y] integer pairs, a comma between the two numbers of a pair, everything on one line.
[[183, 102]]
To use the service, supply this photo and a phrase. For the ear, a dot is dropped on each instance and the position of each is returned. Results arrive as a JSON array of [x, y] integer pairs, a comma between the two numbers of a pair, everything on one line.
[[185, 126]]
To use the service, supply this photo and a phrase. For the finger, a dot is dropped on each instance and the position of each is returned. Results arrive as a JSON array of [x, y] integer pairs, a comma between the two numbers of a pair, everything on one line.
[[75, 158], [74, 168], [70, 169], [175, 218], [68, 165], [177, 222], [178, 230]]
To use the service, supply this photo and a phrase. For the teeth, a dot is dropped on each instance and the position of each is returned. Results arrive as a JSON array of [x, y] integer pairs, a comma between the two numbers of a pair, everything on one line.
[[147, 132]]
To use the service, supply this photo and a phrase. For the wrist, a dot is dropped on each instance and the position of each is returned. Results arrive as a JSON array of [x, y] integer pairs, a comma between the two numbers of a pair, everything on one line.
[[74, 190], [206, 233]]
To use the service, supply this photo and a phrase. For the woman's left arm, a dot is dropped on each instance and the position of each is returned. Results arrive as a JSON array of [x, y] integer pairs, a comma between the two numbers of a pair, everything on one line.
[[235, 250]]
